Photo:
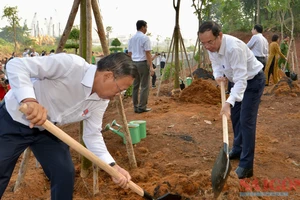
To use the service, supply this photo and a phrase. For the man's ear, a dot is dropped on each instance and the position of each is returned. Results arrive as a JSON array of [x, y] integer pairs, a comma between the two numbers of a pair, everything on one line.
[[108, 75], [220, 34]]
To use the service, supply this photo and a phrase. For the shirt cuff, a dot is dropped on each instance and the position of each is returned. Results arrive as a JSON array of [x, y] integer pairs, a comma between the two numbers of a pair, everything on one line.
[[231, 100], [107, 158], [24, 93]]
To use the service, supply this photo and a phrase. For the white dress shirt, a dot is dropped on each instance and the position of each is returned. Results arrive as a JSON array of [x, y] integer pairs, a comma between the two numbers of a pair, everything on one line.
[[62, 83], [137, 45], [237, 62], [259, 45]]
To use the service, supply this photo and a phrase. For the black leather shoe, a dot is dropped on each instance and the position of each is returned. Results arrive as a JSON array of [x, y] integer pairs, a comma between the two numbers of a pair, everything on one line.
[[234, 156], [244, 172], [143, 110]]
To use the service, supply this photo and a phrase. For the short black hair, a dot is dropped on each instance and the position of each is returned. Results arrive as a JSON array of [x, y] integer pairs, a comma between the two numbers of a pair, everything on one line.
[[120, 64], [140, 24], [258, 28], [210, 26], [275, 37]]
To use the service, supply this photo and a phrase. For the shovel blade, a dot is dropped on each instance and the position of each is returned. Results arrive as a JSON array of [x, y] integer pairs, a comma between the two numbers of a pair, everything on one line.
[[220, 173], [169, 196]]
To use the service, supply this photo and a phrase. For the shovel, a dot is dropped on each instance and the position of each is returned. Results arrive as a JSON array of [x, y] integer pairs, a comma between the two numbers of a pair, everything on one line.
[[222, 167], [93, 158]]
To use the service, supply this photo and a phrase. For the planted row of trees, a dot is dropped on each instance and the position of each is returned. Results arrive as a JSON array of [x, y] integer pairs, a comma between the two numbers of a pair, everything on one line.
[[234, 15], [241, 15]]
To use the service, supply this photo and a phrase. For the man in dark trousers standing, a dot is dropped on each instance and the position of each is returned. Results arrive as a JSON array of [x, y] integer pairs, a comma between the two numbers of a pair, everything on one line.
[[231, 57], [139, 48], [259, 44]]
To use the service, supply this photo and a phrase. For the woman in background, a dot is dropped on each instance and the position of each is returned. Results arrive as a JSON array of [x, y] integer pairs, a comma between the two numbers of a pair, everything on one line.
[[272, 63]]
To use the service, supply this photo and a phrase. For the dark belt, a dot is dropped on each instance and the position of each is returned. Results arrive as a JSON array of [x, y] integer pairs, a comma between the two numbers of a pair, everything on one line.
[[140, 61]]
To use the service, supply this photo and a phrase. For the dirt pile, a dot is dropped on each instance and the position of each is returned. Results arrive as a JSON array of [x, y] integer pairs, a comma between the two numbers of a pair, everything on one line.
[[202, 73], [201, 91], [285, 87]]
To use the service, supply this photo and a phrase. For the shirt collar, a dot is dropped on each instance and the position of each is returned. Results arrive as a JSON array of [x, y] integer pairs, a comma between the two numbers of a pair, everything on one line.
[[89, 76], [223, 46]]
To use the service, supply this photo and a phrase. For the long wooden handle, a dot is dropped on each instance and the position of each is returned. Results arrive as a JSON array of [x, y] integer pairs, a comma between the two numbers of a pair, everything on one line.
[[84, 151], [224, 120]]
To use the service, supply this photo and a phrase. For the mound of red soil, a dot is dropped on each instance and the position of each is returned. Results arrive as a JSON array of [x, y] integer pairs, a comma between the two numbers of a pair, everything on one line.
[[201, 91], [285, 87]]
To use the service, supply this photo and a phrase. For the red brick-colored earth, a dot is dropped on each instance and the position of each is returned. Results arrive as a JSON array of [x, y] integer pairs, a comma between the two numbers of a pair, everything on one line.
[[184, 137]]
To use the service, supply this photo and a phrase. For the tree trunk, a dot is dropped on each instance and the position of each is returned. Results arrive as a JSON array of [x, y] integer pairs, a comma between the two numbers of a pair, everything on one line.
[[258, 11], [100, 27], [15, 37], [68, 27], [85, 163], [89, 38], [176, 44]]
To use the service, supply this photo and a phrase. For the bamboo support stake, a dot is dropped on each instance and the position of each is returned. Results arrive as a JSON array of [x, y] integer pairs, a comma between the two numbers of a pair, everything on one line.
[[69, 26], [129, 146], [100, 27]]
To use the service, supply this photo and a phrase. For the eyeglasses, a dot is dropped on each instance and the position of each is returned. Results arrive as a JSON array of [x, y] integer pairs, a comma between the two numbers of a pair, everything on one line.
[[120, 91], [209, 43]]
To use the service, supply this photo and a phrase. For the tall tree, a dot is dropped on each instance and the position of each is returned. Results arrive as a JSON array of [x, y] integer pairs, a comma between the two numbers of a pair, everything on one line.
[[11, 13]]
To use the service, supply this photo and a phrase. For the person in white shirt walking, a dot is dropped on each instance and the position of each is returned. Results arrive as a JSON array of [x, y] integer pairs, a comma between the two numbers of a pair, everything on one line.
[[259, 44], [139, 48], [231, 57], [63, 88]]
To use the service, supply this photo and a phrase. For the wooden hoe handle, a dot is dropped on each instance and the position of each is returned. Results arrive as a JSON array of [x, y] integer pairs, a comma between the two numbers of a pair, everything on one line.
[[84, 151]]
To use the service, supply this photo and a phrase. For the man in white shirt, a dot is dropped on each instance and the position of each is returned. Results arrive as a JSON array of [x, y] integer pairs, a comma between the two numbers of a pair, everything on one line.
[[139, 48], [65, 89], [231, 57], [259, 44], [25, 53]]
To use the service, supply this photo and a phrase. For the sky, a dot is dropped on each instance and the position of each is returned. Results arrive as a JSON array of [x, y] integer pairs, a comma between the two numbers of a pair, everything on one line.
[[121, 15]]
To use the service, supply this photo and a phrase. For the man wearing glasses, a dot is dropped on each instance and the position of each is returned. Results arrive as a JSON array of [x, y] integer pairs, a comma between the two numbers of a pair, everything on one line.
[[230, 57], [62, 88]]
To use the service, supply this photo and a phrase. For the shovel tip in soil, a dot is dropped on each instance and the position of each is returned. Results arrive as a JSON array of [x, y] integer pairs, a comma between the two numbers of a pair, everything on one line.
[[167, 196], [220, 173]]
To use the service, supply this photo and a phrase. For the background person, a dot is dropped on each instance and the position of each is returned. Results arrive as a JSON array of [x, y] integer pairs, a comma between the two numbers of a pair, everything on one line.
[[93, 58], [66, 89], [139, 48], [163, 60], [272, 64], [242, 104], [284, 48], [259, 44], [4, 85]]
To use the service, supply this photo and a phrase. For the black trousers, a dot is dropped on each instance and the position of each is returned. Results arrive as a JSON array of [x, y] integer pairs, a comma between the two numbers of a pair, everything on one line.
[[244, 117], [53, 155], [262, 60], [153, 79]]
